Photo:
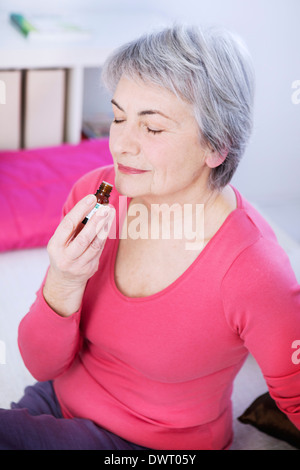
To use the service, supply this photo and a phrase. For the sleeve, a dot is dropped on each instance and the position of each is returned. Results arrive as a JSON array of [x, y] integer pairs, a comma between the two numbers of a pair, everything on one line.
[[48, 343], [261, 298]]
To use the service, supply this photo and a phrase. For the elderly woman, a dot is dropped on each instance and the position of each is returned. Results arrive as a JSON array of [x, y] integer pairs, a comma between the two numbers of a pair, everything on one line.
[[135, 338]]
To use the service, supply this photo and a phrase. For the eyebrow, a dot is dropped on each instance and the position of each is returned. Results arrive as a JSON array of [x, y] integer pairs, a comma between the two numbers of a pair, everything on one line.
[[144, 112]]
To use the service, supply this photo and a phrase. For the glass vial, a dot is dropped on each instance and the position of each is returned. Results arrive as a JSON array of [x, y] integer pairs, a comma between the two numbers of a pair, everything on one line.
[[102, 195]]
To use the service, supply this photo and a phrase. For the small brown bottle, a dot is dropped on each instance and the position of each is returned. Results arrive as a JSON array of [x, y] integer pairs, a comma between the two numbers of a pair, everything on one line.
[[102, 195]]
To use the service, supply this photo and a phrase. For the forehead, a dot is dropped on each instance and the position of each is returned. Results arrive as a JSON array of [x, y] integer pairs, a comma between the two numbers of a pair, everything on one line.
[[137, 95]]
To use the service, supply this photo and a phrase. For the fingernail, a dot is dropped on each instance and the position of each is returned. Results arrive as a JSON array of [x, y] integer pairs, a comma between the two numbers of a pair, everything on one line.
[[90, 199], [102, 211]]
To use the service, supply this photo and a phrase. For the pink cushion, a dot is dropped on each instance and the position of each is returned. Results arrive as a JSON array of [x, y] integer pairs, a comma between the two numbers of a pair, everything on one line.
[[34, 185]]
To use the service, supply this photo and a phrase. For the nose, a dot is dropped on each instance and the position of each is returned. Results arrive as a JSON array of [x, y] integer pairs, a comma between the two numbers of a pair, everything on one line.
[[124, 139]]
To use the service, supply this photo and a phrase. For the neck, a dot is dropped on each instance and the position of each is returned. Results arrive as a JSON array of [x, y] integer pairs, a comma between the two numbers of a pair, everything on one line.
[[181, 216], [194, 193], [174, 218]]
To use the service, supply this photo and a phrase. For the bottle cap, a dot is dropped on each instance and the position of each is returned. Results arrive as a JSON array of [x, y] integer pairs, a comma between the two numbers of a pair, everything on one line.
[[105, 188]]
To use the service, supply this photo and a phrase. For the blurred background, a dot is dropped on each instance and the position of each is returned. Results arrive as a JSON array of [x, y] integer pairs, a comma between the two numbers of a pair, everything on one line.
[[269, 174]]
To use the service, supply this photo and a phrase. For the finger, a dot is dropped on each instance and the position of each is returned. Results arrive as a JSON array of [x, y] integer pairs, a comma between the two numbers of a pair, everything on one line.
[[103, 225], [99, 223], [95, 245], [70, 222]]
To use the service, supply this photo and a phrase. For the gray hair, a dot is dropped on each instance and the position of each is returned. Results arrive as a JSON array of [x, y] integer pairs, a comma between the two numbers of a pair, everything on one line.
[[210, 69]]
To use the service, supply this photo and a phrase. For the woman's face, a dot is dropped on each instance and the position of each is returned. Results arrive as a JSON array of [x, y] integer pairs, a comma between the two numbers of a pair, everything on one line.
[[155, 143]]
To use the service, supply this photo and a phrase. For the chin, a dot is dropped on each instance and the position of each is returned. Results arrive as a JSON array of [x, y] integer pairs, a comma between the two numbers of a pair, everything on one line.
[[128, 188]]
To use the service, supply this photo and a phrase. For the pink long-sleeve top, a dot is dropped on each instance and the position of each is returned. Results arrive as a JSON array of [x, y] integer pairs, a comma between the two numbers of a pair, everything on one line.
[[159, 370]]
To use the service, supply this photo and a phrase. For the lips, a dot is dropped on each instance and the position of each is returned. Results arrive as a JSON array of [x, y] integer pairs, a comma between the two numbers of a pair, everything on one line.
[[129, 170]]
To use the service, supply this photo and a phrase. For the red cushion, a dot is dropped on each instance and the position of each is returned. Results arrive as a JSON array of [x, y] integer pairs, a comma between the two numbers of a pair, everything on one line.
[[34, 185]]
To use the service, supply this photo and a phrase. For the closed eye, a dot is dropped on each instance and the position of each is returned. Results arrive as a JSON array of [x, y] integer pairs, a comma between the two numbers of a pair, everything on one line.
[[149, 130], [152, 131]]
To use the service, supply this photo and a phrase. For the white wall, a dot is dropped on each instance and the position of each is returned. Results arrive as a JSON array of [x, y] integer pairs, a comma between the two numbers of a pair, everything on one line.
[[270, 170]]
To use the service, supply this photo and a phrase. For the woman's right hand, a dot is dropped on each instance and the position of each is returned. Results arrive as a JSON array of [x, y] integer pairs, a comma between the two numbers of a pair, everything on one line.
[[73, 260]]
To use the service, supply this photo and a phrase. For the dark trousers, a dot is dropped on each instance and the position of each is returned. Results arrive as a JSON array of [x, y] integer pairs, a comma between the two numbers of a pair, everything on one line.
[[36, 423]]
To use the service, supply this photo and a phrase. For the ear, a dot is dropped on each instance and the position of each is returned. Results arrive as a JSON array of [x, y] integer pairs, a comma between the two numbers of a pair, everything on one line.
[[215, 158]]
